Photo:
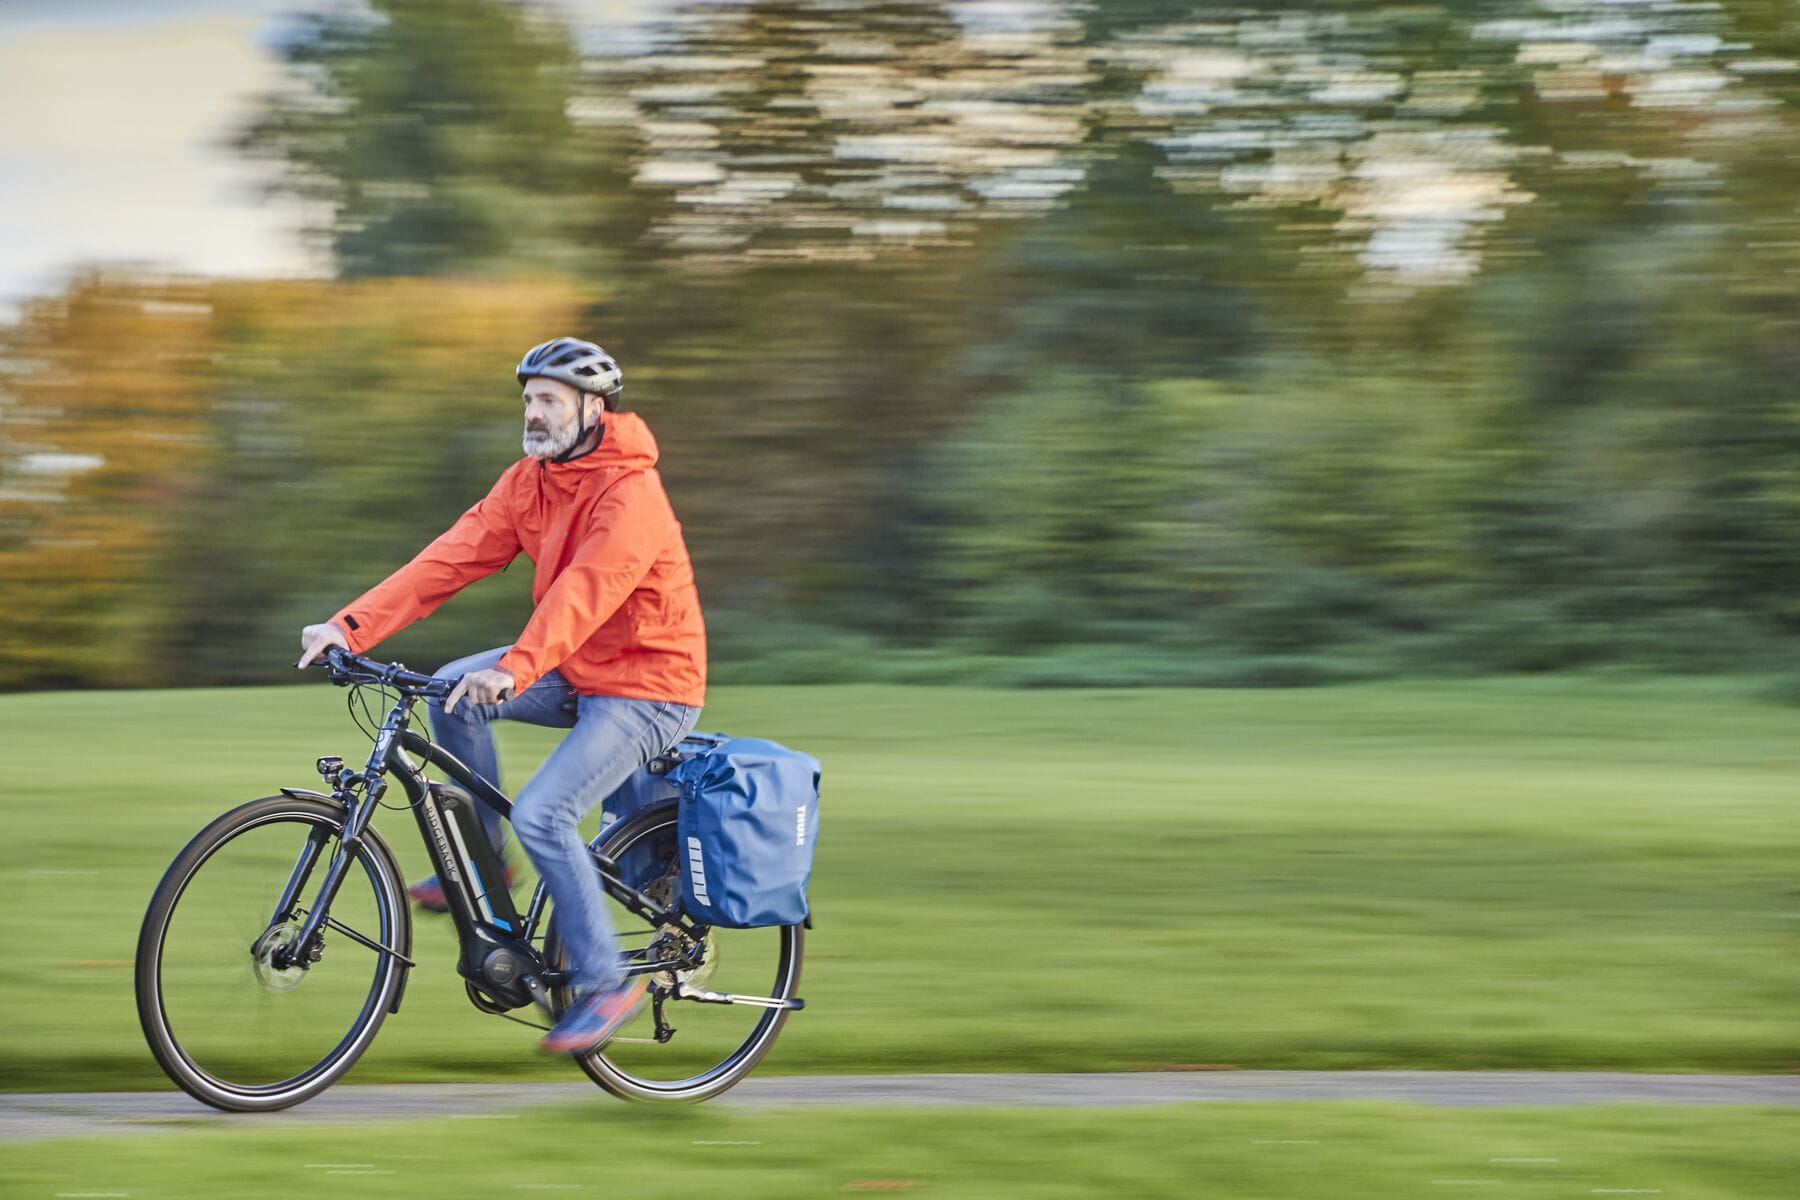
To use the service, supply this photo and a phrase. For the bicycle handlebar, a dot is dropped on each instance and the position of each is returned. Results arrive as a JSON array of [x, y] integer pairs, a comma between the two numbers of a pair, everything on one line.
[[347, 668]]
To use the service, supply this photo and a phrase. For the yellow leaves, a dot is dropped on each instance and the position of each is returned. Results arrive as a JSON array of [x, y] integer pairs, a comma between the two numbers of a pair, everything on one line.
[[122, 399]]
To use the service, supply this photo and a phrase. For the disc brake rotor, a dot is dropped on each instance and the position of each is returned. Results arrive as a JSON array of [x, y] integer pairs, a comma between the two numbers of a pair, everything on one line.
[[262, 956]]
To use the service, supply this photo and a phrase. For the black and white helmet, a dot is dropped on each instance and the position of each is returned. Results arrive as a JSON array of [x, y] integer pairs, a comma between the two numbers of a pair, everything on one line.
[[581, 365]]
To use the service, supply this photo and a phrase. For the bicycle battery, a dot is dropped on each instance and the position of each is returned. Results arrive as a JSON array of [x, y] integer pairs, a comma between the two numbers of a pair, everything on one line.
[[485, 885]]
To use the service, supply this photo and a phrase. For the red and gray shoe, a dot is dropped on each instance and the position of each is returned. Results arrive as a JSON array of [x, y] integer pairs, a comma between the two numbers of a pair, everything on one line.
[[592, 1020], [428, 893]]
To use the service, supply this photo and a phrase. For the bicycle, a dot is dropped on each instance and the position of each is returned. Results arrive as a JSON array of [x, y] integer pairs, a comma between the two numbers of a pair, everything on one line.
[[246, 1010]]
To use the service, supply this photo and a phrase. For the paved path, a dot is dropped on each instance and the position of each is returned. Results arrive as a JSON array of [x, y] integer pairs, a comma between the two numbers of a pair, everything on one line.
[[30, 1116]]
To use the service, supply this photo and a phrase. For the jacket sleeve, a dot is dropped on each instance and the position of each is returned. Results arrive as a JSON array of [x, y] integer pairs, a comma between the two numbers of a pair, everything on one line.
[[483, 540], [625, 534]]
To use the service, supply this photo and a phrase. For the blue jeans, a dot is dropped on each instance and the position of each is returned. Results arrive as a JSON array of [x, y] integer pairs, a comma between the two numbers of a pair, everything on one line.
[[609, 738]]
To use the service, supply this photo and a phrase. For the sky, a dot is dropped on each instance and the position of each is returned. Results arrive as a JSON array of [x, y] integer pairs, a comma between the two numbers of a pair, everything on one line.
[[112, 119]]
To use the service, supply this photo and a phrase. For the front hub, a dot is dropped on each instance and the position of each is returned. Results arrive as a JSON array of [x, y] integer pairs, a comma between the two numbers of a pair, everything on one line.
[[273, 960]]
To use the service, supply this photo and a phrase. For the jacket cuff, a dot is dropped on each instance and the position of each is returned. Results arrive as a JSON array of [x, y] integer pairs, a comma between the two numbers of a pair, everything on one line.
[[353, 631], [522, 676]]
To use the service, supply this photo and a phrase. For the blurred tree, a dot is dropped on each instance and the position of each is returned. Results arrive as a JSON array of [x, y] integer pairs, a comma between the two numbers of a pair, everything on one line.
[[194, 471], [1073, 509], [329, 470], [1006, 328], [434, 136], [106, 413]]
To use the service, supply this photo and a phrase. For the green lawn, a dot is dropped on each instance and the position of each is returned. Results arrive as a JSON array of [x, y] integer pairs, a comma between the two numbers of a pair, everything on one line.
[[1268, 1151], [1529, 873]]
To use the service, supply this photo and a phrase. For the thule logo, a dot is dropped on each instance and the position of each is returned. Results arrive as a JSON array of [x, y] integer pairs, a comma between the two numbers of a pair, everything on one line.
[[697, 871], [800, 826]]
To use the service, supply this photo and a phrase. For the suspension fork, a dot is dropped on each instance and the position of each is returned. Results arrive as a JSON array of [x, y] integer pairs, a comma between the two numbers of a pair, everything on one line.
[[303, 869], [360, 812]]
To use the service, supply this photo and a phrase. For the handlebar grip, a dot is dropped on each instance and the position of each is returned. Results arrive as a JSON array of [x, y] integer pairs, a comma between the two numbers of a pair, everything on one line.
[[450, 685]]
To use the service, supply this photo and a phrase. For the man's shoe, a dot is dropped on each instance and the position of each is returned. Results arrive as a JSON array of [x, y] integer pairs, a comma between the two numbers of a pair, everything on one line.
[[592, 1020], [428, 893]]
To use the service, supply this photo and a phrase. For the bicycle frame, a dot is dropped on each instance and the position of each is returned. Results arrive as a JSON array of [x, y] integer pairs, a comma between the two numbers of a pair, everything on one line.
[[255, 1052], [497, 952]]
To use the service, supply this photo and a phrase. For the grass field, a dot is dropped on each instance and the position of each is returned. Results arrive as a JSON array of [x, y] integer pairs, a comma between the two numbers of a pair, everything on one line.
[[1526, 873], [1268, 1151]]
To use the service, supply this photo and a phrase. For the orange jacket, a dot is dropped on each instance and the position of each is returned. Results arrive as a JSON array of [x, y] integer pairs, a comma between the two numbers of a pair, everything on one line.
[[617, 611]]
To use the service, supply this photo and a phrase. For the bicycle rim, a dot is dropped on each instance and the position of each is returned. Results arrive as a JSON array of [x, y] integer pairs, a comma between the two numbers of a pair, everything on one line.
[[714, 1045], [231, 1024]]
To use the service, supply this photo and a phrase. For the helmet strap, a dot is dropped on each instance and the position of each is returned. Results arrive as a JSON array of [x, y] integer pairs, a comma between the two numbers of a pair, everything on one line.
[[575, 451]]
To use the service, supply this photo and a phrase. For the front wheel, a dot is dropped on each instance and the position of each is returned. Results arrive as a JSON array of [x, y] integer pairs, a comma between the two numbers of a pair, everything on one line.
[[236, 1013], [713, 1045]]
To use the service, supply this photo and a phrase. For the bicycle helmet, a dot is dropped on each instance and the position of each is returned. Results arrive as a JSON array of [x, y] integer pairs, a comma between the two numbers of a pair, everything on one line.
[[582, 365]]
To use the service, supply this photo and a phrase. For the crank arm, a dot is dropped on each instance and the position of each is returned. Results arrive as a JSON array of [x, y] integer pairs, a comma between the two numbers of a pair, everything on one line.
[[684, 992], [534, 984]]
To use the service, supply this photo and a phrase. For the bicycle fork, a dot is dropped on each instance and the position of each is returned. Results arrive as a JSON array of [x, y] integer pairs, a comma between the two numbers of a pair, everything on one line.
[[294, 951]]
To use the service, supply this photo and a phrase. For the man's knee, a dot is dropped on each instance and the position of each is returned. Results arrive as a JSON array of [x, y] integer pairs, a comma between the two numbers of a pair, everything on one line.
[[537, 820]]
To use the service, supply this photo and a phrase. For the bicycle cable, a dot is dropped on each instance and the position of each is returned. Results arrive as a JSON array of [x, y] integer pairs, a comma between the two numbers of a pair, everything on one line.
[[364, 718]]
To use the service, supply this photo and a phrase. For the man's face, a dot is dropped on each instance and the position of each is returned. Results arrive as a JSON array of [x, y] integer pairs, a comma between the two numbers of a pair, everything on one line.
[[552, 417]]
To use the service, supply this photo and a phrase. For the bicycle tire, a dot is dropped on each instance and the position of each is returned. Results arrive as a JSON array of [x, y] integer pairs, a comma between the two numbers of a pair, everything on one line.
[[392, 929], [605, 1069]]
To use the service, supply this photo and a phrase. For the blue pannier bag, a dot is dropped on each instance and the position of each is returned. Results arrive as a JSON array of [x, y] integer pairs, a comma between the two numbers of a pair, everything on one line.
[[646, 788], [749, 819]]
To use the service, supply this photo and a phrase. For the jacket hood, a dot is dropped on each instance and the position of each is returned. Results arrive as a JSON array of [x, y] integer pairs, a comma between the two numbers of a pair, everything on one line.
[[626, 445]]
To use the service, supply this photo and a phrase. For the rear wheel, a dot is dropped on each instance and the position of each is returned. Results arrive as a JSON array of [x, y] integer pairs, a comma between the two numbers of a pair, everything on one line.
[[713, 1045], [237, 1014]]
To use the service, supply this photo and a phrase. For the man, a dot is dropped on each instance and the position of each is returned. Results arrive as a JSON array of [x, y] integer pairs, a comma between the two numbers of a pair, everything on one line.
[[615, 651]]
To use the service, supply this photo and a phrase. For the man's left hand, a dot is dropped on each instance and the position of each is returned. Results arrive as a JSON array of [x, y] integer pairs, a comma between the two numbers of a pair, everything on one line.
[[480, 687]]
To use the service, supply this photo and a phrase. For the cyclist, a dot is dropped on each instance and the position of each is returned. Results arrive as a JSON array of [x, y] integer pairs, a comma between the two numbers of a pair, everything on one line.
[[615, 650]]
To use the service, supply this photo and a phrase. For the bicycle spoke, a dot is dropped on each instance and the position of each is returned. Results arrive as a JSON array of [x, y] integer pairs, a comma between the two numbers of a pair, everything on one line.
[[242, 1010], [738, 983]]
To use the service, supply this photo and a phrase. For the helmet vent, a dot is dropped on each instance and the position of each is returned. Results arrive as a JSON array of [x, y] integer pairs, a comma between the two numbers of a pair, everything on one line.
[[581, 364]]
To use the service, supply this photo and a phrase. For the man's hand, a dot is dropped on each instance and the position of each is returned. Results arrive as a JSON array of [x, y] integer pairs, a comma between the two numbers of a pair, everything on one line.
[[316, 639], [480, 687]]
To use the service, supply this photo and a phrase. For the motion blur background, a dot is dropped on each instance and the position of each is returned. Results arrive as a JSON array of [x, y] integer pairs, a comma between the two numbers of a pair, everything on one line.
[[998, 341], [990, 344]]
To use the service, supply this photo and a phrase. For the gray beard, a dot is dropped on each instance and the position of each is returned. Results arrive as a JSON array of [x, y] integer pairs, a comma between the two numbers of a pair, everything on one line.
[[554, 442]]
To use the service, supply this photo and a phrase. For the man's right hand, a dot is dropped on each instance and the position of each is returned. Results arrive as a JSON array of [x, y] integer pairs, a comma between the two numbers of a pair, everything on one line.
[[316, 639]]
